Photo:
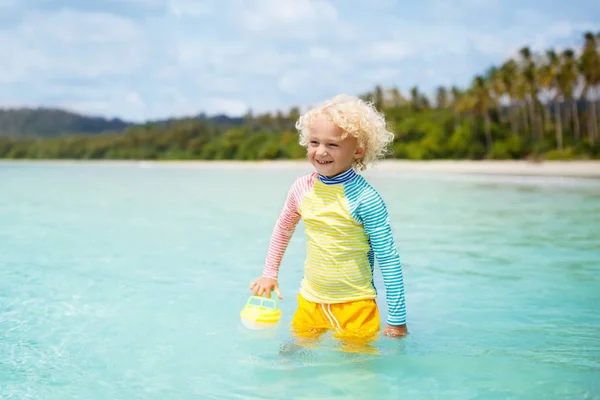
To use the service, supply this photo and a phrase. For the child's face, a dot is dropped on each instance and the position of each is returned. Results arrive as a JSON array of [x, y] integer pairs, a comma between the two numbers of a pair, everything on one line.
[[327, 152]]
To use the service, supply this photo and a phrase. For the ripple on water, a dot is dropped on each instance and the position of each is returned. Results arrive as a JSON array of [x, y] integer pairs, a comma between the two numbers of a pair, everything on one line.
[[127, 282]]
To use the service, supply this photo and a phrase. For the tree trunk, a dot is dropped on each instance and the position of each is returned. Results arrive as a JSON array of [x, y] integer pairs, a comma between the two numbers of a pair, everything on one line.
[[598, 103], [500, 113], [540, 127], [566, 116], [513, 119], [593, 125], [547, 117], [523, 113], [558, 124], [576, 129], [533, 119], [488, 131]]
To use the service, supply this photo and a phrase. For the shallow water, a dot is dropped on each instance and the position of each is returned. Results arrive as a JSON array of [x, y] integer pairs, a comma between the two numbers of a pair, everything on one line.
[[126, 282]]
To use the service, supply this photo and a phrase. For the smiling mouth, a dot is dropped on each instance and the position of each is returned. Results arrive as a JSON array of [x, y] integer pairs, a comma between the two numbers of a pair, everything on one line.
[[324, 162]]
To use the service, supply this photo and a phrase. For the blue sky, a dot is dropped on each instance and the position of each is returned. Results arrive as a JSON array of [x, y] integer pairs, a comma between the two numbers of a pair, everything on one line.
[[149, 59]]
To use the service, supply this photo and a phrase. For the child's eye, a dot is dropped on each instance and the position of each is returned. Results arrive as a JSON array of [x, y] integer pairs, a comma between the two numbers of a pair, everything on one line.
[[333, 145]]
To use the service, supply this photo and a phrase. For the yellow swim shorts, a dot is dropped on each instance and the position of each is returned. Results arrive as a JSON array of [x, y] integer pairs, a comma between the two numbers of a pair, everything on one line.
[[352, 322]]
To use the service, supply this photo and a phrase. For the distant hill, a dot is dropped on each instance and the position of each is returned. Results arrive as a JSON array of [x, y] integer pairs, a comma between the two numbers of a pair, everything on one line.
[[49, 122], [21, 123], [220, 120]]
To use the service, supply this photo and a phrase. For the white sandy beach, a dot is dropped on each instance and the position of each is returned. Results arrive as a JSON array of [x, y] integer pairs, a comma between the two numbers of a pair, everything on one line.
[[590, 169], [587, 169]]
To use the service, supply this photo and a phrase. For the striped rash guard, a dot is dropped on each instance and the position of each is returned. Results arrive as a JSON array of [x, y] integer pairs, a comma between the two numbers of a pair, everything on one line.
[[347, 228]]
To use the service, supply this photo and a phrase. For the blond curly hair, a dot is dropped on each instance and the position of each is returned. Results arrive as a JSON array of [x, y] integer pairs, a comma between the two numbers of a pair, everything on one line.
[[355, 117]]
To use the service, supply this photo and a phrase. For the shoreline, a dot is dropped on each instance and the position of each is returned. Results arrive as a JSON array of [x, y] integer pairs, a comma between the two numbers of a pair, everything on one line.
[[576, 168]]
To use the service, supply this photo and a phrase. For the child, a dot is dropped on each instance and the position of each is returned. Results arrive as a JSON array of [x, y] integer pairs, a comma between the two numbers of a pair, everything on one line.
[[347, 228]]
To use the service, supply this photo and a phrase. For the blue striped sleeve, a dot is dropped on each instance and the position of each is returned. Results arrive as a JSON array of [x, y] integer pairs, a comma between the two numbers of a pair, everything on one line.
[[373, 213]]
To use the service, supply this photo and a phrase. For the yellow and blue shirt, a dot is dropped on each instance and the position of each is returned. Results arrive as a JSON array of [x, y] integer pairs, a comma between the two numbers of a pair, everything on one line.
[[347, 228]]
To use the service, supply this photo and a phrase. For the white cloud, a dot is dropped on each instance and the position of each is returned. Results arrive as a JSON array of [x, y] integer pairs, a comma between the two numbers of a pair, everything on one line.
[[190, 8], [173, 104], [142, 3], [225, 105], [446, 9], [105, 104], [320, 58], [488, 44], [233, 58], [161, 58], [295, 80], [319, 53], [191, 53], [410, 37], [288, 17], [389, 50], [72, 44], [454, 10], [557, 34], [383, 74], [445, 39]]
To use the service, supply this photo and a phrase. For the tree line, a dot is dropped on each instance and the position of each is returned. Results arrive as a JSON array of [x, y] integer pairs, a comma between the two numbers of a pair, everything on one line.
[[48, 122], [536, 105]]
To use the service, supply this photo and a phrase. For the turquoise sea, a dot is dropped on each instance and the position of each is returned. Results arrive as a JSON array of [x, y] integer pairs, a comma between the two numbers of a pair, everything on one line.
[[125, 281]]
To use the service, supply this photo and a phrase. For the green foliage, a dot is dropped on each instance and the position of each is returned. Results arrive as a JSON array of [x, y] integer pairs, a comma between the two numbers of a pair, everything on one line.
[[419, 135], [472, 123], [25, 123], [183, 140], [45, 122]]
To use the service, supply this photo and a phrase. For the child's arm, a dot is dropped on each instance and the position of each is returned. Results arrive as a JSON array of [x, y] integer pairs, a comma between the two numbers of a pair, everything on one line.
[[282, 233], [373, 213]]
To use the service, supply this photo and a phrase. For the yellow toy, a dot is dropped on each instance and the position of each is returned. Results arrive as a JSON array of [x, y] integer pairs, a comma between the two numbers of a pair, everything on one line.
[[257, 315]]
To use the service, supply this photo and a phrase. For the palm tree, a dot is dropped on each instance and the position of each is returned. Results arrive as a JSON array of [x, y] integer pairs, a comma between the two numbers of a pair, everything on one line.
[[567, 80], [378, 98], [366, 96], [293, 115], [529, 73], [249, 116], [456, 105], [466, 104], [598, 86], [424, 101], [496, 84], [509, 76], [482, 106], [549, 80], [441, 97], [589, 65], [396, 98], [415, 98]]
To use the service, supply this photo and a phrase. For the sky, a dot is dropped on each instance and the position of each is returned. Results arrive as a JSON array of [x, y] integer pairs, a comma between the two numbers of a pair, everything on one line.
[[150, 59]]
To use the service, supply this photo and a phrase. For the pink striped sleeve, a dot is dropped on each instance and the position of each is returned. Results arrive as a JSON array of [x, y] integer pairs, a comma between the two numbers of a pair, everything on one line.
[[285, 226]]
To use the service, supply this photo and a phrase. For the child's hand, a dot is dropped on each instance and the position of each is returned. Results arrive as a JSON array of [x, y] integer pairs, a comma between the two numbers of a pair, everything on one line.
[[265, 285], [395, 331]]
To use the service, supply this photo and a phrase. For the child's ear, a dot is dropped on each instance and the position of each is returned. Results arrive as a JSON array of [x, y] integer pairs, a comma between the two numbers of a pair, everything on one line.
[[360, 152]]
